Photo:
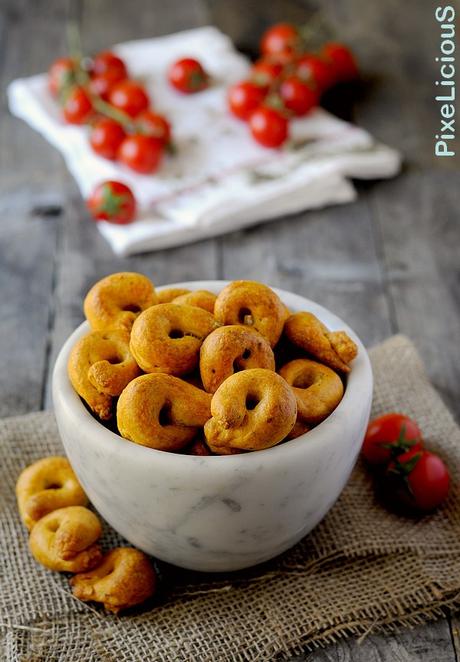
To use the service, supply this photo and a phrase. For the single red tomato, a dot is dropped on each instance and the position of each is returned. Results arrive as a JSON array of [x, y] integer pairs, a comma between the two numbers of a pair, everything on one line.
[[102, 84], [107, 61], [265, 72], [390, 435], [243, 98], [112, 201], [155, 125], [268, 127], [342, 61], [77, 108], [280, 39], [129, 97], [297, 96], [316, 71], [141, 153], [422, 479], [61, 74], [187, 75], [106, 137]]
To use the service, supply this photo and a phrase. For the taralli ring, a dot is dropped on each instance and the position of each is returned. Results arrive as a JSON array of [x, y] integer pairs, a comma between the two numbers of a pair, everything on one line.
[[251, 410], [124, 578], [115, 301], [334, 348], [254, 304], [100, 366], [230, 349], [200, 298], [45, 486], [170, 293], [167, 338], [318, 391], [64, 540], [162, 411]]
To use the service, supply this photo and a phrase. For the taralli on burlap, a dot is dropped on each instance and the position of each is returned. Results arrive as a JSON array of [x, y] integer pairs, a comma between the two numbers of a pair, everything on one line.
[[362, 570]]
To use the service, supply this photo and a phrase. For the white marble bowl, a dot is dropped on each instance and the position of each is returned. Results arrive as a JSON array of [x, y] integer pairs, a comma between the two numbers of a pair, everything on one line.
[[216, 513]]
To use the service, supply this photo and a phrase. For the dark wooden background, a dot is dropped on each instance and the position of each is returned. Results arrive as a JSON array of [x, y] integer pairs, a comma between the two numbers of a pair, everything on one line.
[[387, 263]]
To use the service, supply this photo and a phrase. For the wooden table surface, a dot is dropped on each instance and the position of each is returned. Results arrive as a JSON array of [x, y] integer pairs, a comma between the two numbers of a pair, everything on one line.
[[388, 262]]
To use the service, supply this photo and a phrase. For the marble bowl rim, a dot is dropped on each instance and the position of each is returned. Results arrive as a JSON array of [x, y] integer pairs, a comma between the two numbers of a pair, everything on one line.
[[74, 408]]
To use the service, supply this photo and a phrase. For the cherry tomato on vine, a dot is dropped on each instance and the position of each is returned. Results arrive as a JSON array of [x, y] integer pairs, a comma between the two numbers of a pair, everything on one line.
[[141, 153], [61, 74], [107, 61], [155, 125], [102, 84], [77, 108], [315, 70], [112, 201], [297, 96], [188, 76], [245, 97], [280, 40], [390, 435], [342, 61], [418, 479], [268, 127], [106, 137], [265, 72], [129, 97]]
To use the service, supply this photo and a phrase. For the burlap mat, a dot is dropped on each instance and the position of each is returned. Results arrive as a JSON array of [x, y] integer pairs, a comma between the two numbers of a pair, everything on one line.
[[362, 569]]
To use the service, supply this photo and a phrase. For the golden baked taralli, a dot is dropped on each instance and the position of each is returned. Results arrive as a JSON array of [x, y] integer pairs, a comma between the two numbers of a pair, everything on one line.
[[201, 298]]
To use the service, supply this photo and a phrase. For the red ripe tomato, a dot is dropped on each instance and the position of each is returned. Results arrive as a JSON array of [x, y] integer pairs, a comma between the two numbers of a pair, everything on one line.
[[265, 72], [77, 107], [61, 74], [152, 124], [107, 61], [187, 75], [390, 435], [129, 97], [297, 96], [423, 480], [314, 70], [281, 39], [268, 127], [112, 201], [106, 137], [342, 61], [141, 153], [243, 98], [102, 84]]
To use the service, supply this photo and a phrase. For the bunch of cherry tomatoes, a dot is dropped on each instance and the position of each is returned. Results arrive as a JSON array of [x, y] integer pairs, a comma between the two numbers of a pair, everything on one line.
[[286, 82], [410, 478]]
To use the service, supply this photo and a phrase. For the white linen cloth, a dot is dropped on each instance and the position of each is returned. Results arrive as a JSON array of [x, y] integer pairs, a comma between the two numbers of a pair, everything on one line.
[[219, 179]]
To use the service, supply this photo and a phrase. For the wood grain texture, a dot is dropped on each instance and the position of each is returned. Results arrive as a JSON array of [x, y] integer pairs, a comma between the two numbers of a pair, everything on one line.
[[386, 263]]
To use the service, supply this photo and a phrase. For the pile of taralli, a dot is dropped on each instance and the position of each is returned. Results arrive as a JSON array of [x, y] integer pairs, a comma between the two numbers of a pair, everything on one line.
[[200, 373]]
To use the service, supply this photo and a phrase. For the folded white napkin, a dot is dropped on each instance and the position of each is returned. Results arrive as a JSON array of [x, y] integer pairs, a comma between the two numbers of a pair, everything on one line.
[[219, 179]]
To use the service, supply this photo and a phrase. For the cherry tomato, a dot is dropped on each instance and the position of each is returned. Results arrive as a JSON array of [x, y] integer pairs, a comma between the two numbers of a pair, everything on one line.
[[297, 96], [418, 479], [77, 107], [106, 137], [244, 98], [102, 84], [268, 127], [280, 39], [390, 435], [315, 70], [152, 124], [342, 61], [265, 72], [112, 201], [61, 74], [187, 75], [129, 97], [141, 153], [107, 61]]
